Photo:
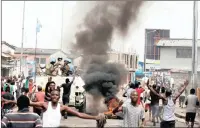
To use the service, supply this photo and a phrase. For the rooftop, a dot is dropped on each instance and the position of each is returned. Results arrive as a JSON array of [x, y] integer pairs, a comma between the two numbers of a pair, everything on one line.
[[9, 45], [38, 51], [176, 43]]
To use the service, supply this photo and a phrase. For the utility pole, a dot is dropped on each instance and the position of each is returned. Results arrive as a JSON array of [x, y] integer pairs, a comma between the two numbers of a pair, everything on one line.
[[194, 45], [145, 52], [35, 64], [62, 13], [22, 40]]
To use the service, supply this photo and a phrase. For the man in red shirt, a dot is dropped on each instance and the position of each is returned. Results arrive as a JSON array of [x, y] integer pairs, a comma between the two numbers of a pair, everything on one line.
[[139, 90], [39, 97], [30, 85]]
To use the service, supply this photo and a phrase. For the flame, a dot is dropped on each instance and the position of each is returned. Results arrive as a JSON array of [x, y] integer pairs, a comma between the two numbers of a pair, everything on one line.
[[112, 104]]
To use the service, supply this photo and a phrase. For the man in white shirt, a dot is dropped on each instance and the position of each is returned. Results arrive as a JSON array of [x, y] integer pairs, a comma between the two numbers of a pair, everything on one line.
[[133, 113], [191, 107]]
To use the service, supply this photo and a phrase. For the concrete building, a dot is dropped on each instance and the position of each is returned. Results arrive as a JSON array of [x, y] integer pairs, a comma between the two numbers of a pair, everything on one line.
[[176, 56], [7, 59], [152, 38]]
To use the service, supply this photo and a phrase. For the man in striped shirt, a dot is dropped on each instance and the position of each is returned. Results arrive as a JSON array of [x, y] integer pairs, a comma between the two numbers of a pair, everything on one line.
[[23, 118]]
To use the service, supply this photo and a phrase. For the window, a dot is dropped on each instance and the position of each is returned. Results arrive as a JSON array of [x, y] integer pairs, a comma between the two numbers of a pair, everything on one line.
[[23, 60], [42, 60], [37, 60], [125, 59], [183, 53], [131, 62]]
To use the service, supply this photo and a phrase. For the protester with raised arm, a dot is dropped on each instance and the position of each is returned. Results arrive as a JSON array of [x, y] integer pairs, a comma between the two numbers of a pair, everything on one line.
[[52, 111], [133, 113], [168, 105]]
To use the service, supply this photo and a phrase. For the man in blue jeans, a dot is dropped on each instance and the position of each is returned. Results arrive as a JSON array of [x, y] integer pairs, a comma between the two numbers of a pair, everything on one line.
[[154, 105]]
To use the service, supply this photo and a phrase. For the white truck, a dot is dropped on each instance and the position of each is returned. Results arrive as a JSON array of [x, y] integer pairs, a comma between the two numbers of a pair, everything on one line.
[[77, 93]]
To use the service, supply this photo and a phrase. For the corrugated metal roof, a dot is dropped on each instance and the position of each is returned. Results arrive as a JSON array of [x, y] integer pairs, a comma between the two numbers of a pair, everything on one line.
[[176, 42]]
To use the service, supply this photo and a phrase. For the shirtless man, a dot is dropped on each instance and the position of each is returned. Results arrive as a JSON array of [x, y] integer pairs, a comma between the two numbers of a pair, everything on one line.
[[52, 111]]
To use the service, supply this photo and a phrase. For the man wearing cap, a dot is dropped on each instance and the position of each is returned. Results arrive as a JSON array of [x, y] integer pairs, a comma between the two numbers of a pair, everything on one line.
[[51, 68], [65, 67]]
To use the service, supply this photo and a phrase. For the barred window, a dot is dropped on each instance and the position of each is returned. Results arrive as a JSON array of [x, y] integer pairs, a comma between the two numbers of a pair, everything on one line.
[[131, 62], [184, 53]]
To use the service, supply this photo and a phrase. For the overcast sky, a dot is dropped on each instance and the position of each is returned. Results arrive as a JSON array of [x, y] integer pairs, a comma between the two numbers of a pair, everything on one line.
[[173, 15]]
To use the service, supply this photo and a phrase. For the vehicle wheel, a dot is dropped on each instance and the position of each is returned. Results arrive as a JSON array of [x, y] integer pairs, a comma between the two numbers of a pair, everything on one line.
[[83, 107]]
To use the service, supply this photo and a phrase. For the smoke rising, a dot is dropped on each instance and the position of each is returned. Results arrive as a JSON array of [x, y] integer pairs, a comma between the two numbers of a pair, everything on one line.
[[128, 14], [103, 78]]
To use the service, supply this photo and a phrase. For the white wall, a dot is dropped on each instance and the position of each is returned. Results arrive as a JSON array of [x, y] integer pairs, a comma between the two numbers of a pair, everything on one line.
[[58, 54], [168, 59], [7, 49], [77, 61]]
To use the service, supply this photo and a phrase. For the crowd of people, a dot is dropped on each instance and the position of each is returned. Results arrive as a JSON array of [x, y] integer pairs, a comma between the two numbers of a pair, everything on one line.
[[47, 111], [159, 102]]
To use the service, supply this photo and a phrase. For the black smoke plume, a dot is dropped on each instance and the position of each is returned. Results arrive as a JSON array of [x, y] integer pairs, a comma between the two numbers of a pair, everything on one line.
[[103, 78]]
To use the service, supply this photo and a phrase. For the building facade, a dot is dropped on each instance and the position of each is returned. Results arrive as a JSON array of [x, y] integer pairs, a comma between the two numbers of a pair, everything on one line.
[[177, 54], [176, 57], [152, 36], [7, 59]]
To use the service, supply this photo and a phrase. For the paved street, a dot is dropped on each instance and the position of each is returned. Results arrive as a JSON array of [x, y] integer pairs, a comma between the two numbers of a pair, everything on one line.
[[77, 122]]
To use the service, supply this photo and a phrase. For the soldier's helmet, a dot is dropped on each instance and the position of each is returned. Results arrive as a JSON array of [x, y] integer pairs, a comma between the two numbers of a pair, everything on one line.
[[67, 60], [59, 58]]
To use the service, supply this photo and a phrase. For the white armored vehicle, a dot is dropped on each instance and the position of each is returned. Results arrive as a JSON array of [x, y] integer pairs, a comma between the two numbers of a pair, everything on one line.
[[77, 93]]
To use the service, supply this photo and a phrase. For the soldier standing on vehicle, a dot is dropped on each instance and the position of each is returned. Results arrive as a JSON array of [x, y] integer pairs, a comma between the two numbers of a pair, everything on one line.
[[51, 68], [66, 91], [65, 68]]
